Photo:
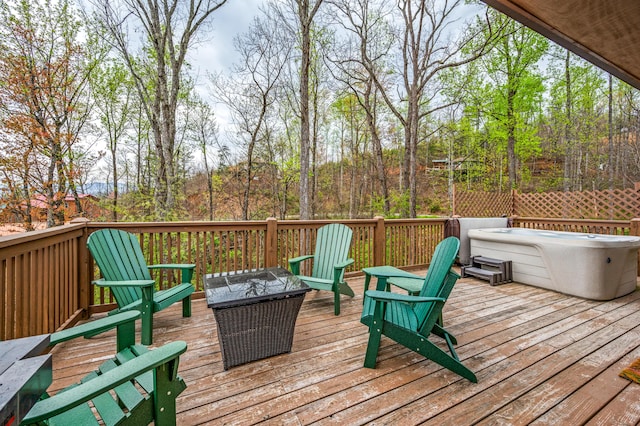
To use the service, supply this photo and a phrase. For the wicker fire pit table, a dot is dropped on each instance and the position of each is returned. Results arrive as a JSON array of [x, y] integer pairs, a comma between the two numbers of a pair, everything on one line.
[[255, 312]]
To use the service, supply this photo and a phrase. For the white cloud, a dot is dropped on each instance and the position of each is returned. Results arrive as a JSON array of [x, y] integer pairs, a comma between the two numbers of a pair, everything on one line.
[[216, 53]]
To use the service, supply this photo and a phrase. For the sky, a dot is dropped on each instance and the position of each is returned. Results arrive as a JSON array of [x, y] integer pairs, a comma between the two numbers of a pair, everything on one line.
[[216, 52]]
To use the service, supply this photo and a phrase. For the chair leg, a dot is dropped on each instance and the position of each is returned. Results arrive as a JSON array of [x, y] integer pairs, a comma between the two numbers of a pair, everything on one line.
[[447, 338], [439, 331], [186, 306], [336, 302], [367, 280], [125, 335], [375, 334], [165, 398], [146, 316], [346, 290], [437, 355]]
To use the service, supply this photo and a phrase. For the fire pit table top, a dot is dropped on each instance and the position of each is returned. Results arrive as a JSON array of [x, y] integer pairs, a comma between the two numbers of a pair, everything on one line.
[[248, 287]]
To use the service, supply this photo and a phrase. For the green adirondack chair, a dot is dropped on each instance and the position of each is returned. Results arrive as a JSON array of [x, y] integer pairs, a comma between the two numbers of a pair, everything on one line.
[[443, 257], [124, 270], [409, 320], [330, 259], [138, 386]]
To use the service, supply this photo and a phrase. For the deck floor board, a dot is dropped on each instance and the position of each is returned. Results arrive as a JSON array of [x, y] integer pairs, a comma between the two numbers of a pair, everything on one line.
[[540, 357]]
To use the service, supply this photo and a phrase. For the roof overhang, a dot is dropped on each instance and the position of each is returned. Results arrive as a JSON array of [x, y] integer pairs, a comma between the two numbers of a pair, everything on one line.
[[604, 32]]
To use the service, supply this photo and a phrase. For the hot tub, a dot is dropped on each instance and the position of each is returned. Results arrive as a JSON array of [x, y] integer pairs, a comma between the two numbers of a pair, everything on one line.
[[598, 267]]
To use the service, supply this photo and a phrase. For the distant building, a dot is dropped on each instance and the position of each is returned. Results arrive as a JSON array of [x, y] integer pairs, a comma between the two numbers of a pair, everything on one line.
[[87, 201], [460, 163], [39, 209]]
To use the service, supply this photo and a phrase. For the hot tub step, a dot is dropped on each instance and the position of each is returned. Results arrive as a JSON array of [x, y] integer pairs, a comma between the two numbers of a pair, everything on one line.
[[494, 277], [488, 261], [499, 270]]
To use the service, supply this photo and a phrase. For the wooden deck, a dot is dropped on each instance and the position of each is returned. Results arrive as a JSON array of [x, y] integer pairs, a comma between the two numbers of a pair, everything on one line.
[[540, 357]]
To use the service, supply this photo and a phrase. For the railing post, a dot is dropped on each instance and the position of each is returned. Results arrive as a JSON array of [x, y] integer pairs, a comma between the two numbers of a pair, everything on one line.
[[379, 242], [271, 241], [634, 229], [84, 293]]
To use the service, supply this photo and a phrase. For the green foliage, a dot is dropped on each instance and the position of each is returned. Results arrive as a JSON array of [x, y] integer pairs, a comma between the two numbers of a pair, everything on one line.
[[503, 98], [399, 203], [137, 206], [45, 61], [377, 205], [435, 205]]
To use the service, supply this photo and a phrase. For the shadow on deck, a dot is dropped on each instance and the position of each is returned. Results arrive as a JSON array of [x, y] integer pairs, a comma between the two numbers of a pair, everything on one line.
[[539, 356]]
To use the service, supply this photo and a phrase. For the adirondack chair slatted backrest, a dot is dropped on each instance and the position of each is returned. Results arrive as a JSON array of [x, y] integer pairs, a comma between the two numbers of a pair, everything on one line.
[[438, 283], [119, 257], [332, 247], [435, 309]]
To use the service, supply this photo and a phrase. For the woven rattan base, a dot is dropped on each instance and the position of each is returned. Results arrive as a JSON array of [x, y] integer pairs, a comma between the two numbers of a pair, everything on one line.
[[259, 330]]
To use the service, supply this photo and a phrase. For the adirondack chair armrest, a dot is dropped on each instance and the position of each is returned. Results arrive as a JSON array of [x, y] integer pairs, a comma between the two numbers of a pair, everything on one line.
[[343, 265], [385, 296], [128, 283], [93, 328], [398, 273], [63, 401], [294, 263], [338, 269], [186, 269], [300, 258], [172, 266]]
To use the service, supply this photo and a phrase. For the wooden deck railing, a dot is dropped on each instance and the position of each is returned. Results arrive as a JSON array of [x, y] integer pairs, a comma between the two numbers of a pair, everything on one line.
[[41, 282], [230, 246], [45, 276]]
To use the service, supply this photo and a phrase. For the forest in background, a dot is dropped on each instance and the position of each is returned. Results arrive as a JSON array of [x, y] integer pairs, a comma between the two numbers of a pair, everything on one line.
[[334, 108]]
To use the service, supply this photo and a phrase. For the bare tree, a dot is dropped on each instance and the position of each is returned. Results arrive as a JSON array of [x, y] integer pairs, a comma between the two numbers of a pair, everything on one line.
[[203, 131], [169, 29], [359, 60], [251, 91], [305, 13], [426, 48]]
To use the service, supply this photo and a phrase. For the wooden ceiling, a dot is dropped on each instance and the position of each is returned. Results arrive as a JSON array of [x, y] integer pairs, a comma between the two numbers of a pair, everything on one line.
[[604, 32]]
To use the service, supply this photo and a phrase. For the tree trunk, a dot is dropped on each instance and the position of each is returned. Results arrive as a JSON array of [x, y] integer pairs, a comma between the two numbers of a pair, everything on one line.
[[413, 163], [305, 204], [314, 152], [610, 133], [377, 148], [305, 19], [568, 142], [114, 167], [511, 139]]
